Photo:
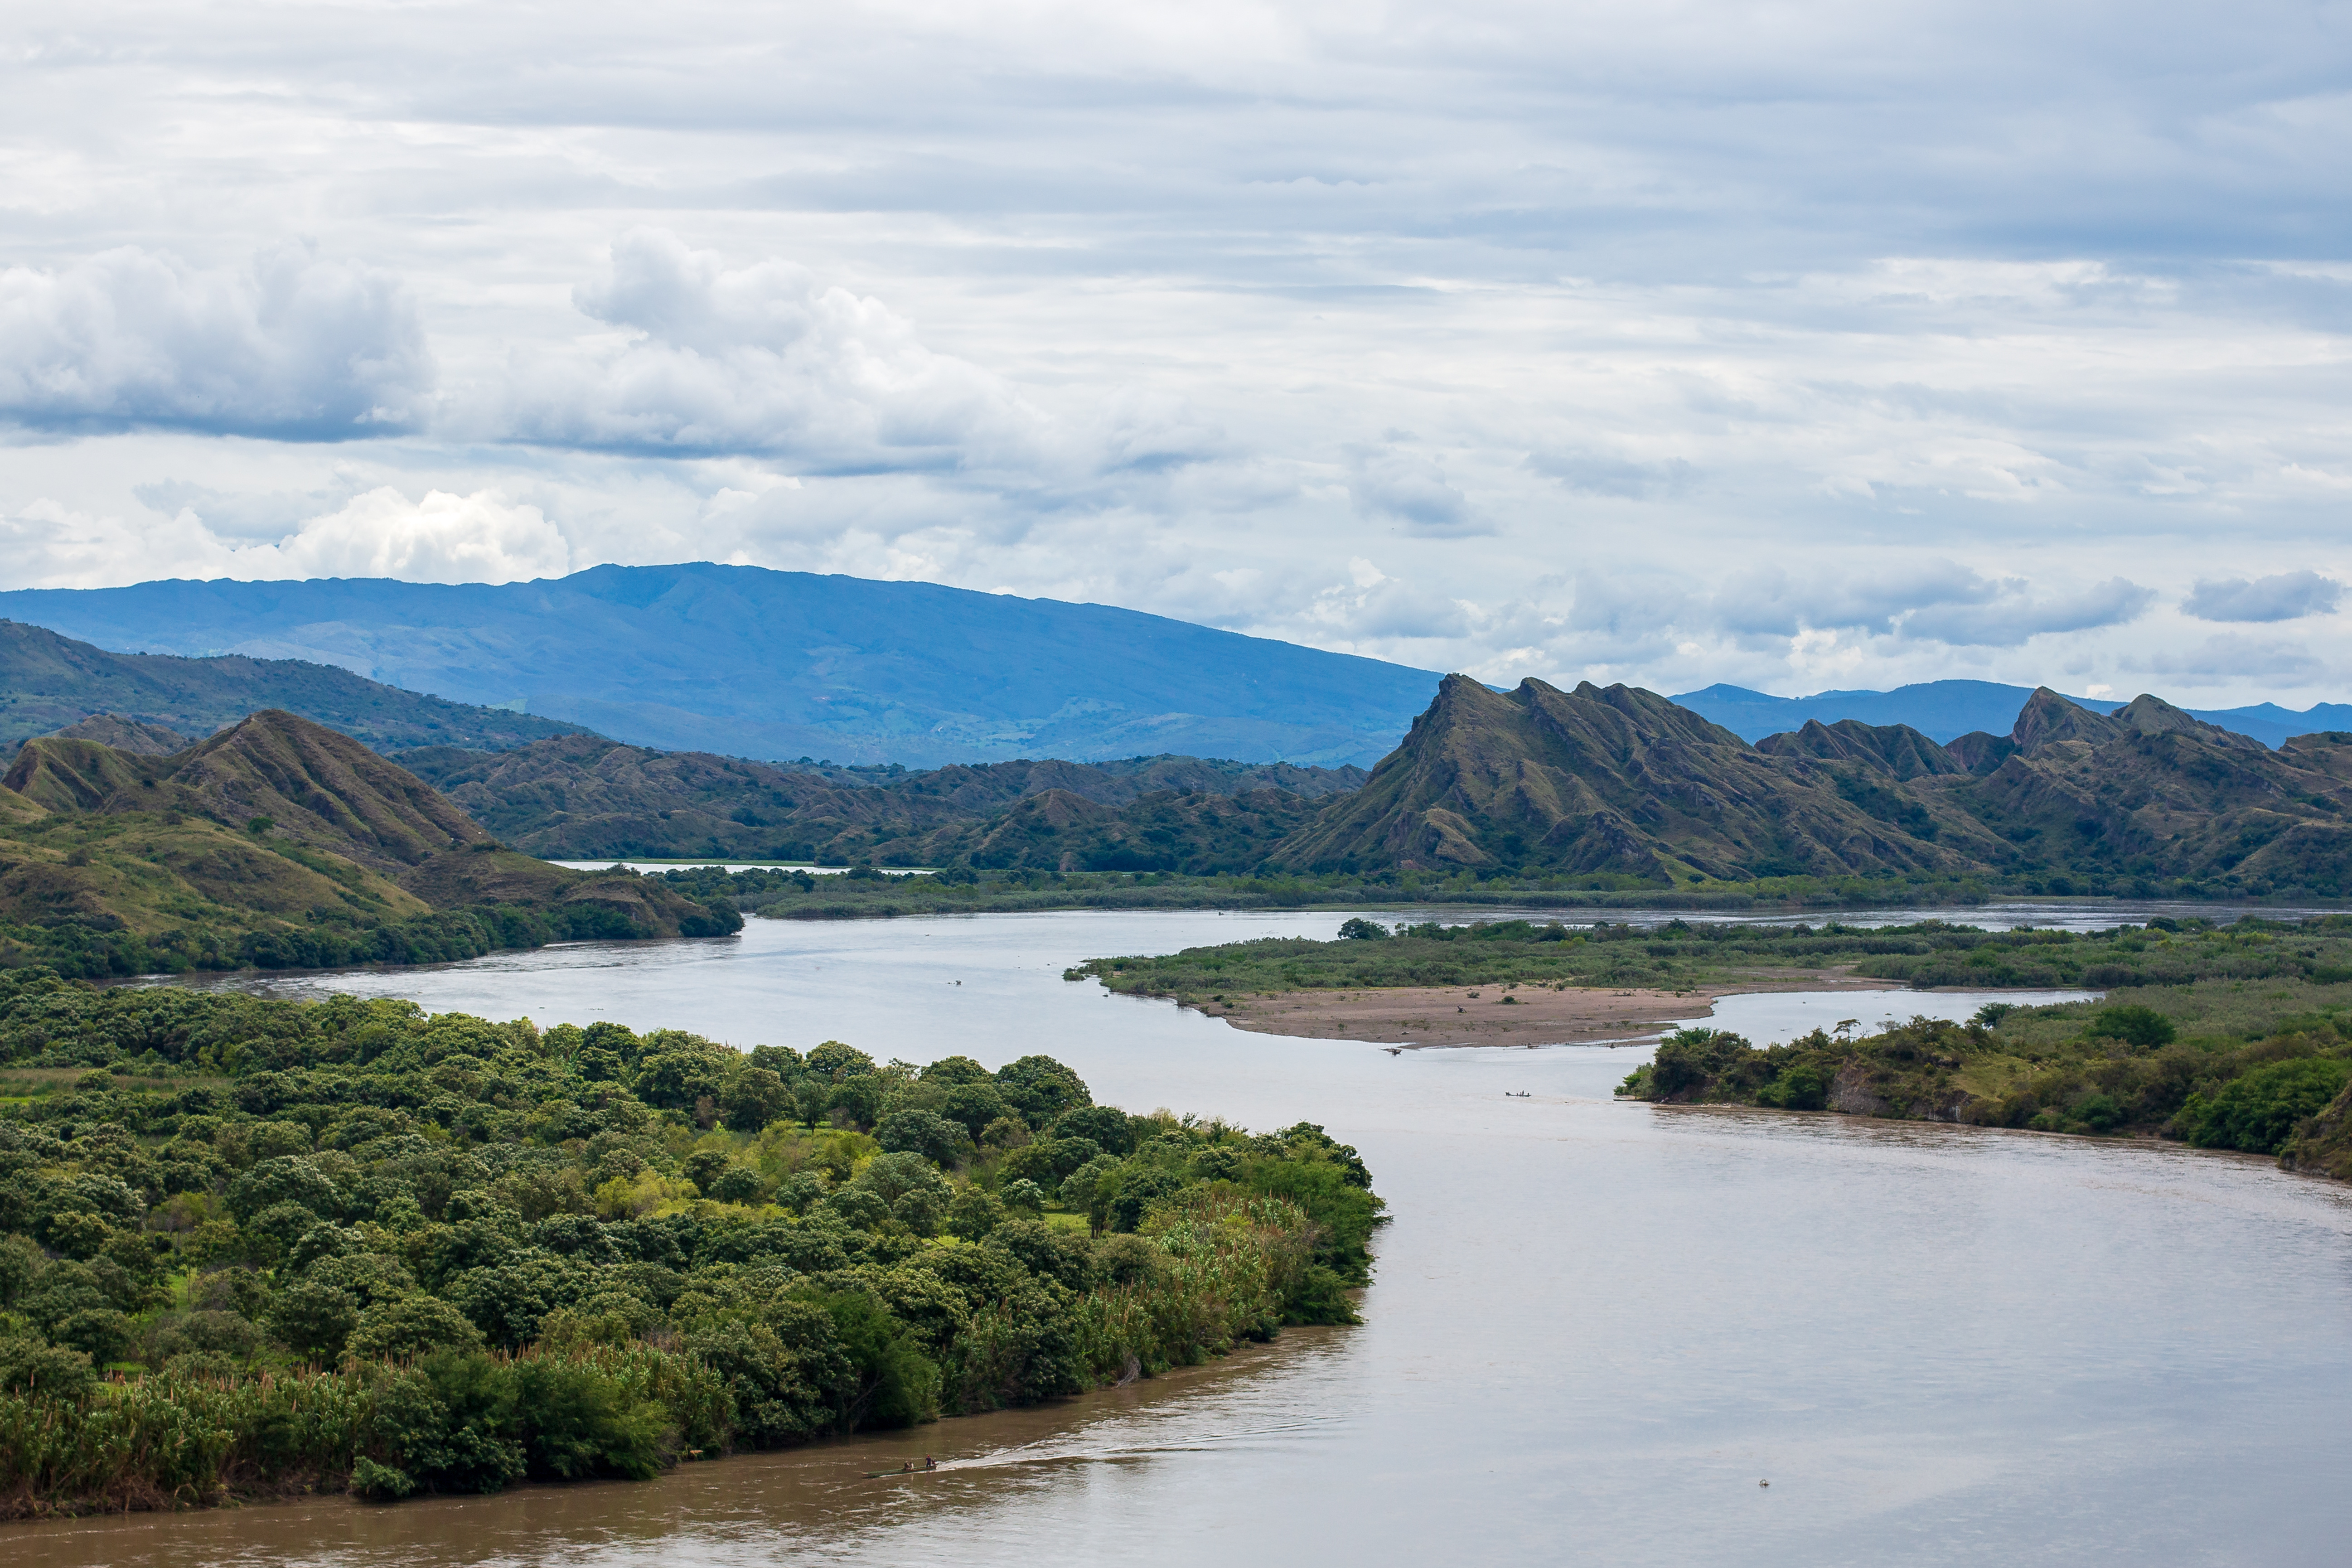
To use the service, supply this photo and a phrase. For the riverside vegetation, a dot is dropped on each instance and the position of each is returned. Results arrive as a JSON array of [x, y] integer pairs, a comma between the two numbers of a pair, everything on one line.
[[251, 1248], [1683, 955], [2226, 1037], [2238, 1038]]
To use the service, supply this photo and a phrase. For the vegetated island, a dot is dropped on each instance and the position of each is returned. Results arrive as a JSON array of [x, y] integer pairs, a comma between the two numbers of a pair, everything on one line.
[[1518, 982], [257, 1247]]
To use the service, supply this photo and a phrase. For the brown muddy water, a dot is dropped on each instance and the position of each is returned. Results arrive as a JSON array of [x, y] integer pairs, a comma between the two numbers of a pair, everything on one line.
[[1596, 1326]]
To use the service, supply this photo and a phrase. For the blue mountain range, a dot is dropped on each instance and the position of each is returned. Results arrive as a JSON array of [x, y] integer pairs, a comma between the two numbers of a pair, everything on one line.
[[1945, 710], [784, 665]]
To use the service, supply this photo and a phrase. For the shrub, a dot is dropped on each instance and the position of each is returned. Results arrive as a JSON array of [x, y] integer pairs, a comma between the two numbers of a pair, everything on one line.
[[2259, 1111], [2134, 1024]]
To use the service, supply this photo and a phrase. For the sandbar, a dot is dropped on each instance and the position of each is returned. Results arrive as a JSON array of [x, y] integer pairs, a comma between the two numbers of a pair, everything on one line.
[[1534, 1015]]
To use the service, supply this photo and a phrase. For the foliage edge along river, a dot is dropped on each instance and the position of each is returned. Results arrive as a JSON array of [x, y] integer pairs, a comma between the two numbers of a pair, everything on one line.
[[257, 1247], [2225, 1036]]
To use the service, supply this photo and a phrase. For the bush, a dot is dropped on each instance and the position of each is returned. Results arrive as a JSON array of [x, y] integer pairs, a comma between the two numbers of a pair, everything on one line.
[[2259, 1111], [2134, 1024]]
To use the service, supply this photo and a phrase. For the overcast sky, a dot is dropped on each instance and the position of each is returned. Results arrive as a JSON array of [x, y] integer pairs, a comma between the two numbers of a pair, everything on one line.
[[1798, 346]]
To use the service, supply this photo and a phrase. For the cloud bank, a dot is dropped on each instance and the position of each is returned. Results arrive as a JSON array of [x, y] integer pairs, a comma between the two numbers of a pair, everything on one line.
[[290, 346], [1826, 345]]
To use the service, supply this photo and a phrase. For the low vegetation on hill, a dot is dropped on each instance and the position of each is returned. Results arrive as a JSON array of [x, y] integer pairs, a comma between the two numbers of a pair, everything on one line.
[[584, 798], [250, 1248], [280, 843]]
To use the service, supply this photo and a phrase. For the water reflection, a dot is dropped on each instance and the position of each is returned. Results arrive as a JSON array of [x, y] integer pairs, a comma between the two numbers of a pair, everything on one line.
[[1595, 1326]]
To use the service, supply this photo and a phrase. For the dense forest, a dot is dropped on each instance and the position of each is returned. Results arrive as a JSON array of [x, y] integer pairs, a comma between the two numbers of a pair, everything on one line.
[[250, 1246]]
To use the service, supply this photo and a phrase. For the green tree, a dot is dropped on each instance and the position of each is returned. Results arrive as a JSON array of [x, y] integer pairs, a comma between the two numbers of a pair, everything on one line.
[[753, 1098], [314, 1319]]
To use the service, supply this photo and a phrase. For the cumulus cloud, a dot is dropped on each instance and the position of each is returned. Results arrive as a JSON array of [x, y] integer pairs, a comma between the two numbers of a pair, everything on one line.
[[1396, 482], [294, 346], [760, 359], [444, 537], [2285, 596], [2015, 615], [482, 537], [1772, 602]]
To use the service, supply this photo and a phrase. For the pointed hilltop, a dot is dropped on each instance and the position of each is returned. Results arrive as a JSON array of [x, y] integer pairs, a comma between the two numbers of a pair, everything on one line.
[[1605, 780], [279, 841], [1896, 751], [319, 788]]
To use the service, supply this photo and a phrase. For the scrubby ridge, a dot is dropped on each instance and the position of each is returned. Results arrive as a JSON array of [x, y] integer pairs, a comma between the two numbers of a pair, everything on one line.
[[251, 1247]]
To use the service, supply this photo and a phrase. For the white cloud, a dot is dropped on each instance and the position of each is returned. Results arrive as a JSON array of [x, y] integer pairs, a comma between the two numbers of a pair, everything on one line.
[[1397, 483], [444, 537], [758, 359], [1755, 346], [2285, 596], [293, 346]]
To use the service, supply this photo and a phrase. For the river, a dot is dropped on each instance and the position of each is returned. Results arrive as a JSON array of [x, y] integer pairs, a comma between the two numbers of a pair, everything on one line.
[[1596, 1326]]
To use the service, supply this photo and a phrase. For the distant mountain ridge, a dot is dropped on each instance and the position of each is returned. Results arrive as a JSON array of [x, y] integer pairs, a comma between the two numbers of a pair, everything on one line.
[[55, 684], [745, 661], [1943, 711]]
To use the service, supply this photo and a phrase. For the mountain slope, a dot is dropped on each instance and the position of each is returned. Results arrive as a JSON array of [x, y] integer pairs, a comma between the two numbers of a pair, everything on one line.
[[128, 735], [278, 841], [1612, 783], [49, 681], [581, 798], [743, 660], [2153, 793]]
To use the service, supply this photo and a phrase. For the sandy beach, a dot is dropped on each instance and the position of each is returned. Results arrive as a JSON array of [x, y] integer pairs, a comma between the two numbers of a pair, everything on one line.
[[1496, 1014]]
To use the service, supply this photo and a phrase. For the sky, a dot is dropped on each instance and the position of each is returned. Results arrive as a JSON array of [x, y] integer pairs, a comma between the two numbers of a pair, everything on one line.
[[1794, 345]]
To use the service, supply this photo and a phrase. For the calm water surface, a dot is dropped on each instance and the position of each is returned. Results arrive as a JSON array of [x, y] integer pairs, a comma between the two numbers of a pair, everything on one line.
[[1596, 1325]]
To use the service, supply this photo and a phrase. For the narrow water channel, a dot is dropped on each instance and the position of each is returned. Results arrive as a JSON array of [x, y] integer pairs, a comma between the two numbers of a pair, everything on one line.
[[1597, 1326]]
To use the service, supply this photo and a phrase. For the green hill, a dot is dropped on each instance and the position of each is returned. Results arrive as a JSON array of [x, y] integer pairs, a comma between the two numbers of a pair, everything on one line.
[[279, 842]]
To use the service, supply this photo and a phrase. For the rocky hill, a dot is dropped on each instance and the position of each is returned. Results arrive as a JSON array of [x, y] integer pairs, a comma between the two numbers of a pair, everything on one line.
[[1612, 783], [1621, 784], [50, 684]]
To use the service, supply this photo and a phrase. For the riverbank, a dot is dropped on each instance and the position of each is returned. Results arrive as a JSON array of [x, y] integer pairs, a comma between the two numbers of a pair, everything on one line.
[[1416, 1016]]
